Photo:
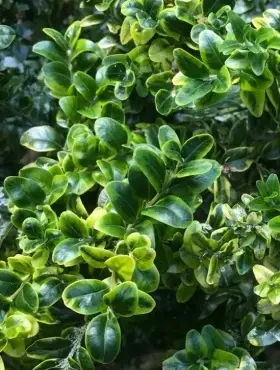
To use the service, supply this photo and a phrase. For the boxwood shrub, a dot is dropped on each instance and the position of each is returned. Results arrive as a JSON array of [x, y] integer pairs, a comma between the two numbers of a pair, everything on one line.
[[158, 183]]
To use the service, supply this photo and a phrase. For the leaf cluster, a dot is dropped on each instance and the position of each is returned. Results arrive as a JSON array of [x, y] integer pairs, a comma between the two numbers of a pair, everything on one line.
[[147, 184]]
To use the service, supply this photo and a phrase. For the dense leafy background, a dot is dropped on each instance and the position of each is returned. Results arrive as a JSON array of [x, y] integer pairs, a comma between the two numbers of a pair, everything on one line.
[[247, 146], [24, 102]]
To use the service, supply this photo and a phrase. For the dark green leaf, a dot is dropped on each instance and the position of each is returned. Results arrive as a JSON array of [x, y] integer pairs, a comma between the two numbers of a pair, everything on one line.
[[83, 46], [69, 105], [72, 226], [164, 101], [151, 165], [130, 8], [85, 296], [27, 300], [85, 85], [103, 338], [50, 291], [39, 175], [244, 262], [57, 37], [253, 101], [67, 251], [58, 188], [147, 280], [145, 21], [209, 45], [209, 6], [123, 200], [49, 348], [185, 293], [153, 7], [177, 362], [7, 36], [111, 224], [237, 24], [193, 90], [196, 348], [50, 50], [116, 72], [84, 360], [197, 147], [32, 228], [24, 193], [171, 211], [80, 182], [9, 283], [140, 183], [189, 65], [213, 339], [114, 111], [57, 77], [123, 299], [195, 167], [111, 132]]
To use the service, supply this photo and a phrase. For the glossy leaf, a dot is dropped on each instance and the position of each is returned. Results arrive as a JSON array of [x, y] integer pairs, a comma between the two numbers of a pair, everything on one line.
[[72, 226], [194, 89], [85, 296], [210, 44], [57, 37], [196, 347], [225, 359], [9, 282], [67, 251], [151, 165], [164, 101], [195, 167], [189, 65], [237, 24], [197, 147], [50, 292], [146, 303], [253, 101], [209, 6], [123, 299], [49, 50], [171, 211], [42, 139], [24, 193], [123, 200], [103, 338], [58, 188], [85, 85], [178, 361], [95, 256], [39, 175], [114, 111], [48, 348], [57, 77], [27, 300], [265, 334], [7, 36], [111, 132]]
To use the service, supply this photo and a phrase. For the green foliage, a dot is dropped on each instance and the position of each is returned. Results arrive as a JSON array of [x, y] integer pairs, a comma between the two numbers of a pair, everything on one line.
[[23, 102], [214, 348], [145, 189]]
